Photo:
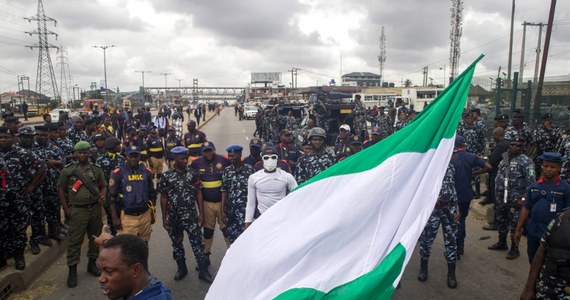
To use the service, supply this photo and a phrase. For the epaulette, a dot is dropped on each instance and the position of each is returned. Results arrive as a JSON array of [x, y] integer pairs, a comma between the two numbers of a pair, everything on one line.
[[116, 171], [97, 165], [149, 170], [68, 165]]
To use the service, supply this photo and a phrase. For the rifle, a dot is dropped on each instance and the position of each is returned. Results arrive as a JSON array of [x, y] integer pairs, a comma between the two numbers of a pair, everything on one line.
[[88, 185], [506, 182]]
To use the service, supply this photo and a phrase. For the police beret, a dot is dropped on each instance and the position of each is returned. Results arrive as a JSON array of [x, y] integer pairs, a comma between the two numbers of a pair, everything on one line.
[[41, 128], [179, 150], [459, 141], [356, 140], [375, 131], [234, 148], [547, 116], [26, 130], [82, 146], [4, 129], [208, 145], [255, 143], [112, 142], [133, 150], [552, 156], [98, 136]]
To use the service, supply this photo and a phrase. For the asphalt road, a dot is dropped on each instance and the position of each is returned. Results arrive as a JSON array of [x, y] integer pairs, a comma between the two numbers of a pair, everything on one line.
[[481, 273]]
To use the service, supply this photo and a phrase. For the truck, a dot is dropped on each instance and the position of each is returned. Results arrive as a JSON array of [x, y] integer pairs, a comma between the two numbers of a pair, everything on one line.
[[336, 109]]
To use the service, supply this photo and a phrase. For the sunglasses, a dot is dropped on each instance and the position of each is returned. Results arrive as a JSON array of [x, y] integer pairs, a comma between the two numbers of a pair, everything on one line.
[[266, 157], [516, 145]]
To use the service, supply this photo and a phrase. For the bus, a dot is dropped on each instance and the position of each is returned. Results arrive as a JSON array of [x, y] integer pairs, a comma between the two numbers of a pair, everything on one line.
[[371, 100]]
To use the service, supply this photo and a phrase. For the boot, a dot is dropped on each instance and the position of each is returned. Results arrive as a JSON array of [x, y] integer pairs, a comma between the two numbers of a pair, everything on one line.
[[20, 261], [55, 233], [423, 275], [204, 274], [46, 241], [92, 267], [451, 280], [72, 277], [514, 252], [182, 269], [35, 248], [501, 244]]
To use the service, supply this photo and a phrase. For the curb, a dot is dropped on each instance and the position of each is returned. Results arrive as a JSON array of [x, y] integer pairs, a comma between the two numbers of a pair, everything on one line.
[[485, 212], [12, 280]]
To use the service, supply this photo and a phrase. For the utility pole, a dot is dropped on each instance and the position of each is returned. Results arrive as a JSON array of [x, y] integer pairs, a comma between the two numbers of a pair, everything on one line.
[[521, 66], [179, 82], [511, 47], [455, 38], [195, 90], [425, 76], [165, 85], [382, 55], [538, 50], [142, 87], [45, 78], [105, 63], [538, 96], [293, 80]]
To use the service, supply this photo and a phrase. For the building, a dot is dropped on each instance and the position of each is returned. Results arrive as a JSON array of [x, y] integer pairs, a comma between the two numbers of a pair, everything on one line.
[[361, 79]]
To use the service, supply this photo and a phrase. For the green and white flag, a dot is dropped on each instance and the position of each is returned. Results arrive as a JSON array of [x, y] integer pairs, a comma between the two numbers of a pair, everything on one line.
[[349, 231]]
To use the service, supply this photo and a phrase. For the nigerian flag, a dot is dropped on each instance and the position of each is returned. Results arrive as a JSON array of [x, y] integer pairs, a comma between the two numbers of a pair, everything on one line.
[[349, 231]]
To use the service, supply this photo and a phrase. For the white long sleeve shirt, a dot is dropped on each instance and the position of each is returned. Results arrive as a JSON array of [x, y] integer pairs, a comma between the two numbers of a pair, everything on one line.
[[266, 189]]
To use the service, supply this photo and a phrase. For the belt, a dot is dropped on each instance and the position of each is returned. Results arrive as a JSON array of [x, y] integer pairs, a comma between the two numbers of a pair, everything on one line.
[[84, 205], [212, 184], [130, 213]]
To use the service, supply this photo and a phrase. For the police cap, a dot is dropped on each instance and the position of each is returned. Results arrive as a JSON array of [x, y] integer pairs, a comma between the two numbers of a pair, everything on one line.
[[11, 119], [133, 150], [459, 141], [208, 146], [191, 122], [179, 150], [112, 142], [98, 136], [52, 127], [269, 148], [235, 148], [502, 117], [130, 128], [4, 129], [552, 157], [375, 131], [255, 143], [26, 130], [82, 146], [547, 116], [41, 128], [356, 140]]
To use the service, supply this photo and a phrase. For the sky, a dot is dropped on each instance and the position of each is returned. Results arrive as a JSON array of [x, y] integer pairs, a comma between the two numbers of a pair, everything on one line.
[[221, 42]]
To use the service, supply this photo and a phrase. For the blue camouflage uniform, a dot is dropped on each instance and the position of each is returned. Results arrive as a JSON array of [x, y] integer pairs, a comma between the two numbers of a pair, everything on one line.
[[312, 164], [234, 183], [444, 214]]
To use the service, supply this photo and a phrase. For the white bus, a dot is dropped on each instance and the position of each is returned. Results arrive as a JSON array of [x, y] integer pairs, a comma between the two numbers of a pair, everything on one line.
[[371, 100]]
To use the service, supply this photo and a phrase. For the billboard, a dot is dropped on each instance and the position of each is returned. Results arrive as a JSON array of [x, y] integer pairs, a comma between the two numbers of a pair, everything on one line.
[[265, 77]]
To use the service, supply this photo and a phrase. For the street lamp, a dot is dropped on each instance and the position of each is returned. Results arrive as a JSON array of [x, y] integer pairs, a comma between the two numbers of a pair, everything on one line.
[[444, 79], [105, 62], [165, 85], [142, 90]]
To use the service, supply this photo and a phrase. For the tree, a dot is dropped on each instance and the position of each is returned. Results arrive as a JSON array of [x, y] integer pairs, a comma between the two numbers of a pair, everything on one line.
[[408, 83]]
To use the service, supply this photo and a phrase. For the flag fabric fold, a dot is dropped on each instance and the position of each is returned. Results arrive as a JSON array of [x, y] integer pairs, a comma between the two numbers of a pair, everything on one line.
[[348, 232]]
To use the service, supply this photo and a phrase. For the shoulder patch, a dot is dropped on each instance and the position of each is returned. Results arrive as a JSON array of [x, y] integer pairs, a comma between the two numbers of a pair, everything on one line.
[[117, 170]]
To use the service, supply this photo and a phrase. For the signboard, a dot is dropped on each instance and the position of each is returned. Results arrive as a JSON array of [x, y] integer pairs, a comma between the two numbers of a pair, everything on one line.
[[265, 77]]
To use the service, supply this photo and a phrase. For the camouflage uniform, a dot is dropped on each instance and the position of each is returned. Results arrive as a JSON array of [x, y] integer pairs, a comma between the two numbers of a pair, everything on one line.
[[17, 168], [521, 176], [444, 214], [312, 164], [480, 124], [234, 183], [66, 147], [109, 162], [565, 151], [511, 132], [400, 124], [180, 189], [75, 135], [474, 138], [549, 286], [51, 205], [545, 141], [385, 125], [37, 208], [359, 120]]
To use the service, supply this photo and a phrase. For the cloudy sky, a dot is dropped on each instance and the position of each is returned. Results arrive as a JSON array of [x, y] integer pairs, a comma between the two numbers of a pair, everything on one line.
[[221, 42]]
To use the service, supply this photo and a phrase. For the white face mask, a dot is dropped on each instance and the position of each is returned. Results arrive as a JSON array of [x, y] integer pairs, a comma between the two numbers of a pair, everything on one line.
[[270, 162]]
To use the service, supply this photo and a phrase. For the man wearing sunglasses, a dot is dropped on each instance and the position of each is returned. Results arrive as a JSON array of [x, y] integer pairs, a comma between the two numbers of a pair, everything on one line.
[[266, 187], [515, 174]]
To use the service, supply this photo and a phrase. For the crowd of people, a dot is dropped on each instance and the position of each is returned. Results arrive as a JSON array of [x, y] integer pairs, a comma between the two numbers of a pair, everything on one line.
[[115, 165]]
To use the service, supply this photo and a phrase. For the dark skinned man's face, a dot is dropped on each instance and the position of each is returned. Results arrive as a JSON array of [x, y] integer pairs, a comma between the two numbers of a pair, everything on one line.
[[235, 158], [208, 154], [5, 141], [180, 161], [550, 169], [26, 141], [82, 156]]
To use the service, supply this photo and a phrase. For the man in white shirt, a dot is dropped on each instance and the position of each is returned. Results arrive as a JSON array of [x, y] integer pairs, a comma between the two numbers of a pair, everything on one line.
[[267, 186]]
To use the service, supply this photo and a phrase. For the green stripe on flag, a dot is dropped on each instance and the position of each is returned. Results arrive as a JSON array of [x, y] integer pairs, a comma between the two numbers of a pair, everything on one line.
[[444, 112], [377, 284]]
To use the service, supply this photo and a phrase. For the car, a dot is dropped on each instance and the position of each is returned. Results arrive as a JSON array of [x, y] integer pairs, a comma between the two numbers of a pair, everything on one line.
[[58, 111], [249, 112]]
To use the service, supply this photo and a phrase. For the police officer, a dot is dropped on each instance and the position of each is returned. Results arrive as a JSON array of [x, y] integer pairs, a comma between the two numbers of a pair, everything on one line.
[[193, 139], [549, 275], [76, 133], [98, 147], [359, 118], [515, 174], [318, 160], [109, 162], [518, 128], [254, 152], [210, 167], [81, 191], [545, 198], [172, 140], [341, 147], [446, 213], [156, 153], [180, 192], [375, 137], [16, 185], [58, 135], [545, 138], [234, 193], [131, 213], [287, 150]]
